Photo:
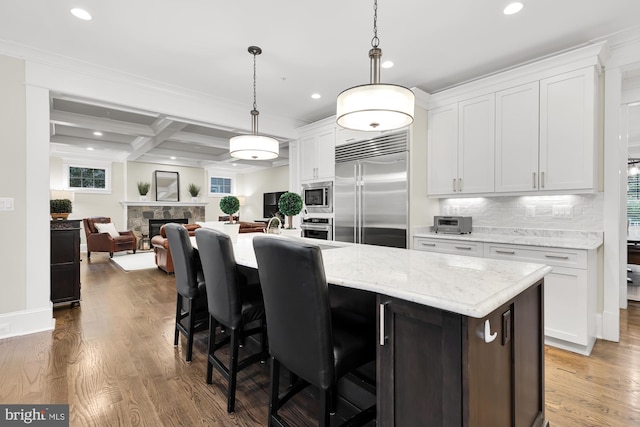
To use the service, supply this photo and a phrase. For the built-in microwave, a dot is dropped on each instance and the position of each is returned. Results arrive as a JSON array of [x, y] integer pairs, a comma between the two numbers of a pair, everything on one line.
[[318, 197]]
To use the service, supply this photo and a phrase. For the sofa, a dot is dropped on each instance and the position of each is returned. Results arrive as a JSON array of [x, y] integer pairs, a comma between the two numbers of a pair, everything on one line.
[[160, 245]]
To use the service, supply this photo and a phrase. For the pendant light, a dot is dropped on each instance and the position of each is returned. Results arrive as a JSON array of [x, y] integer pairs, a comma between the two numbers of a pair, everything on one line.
[[375, 106], [254, 146]]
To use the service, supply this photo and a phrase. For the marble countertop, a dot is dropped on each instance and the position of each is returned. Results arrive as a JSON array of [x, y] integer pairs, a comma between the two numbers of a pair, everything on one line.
[[522, 236], [468, 286]]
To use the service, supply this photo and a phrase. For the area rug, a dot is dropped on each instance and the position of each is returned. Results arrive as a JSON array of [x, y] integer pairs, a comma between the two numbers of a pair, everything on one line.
[[137, 261]]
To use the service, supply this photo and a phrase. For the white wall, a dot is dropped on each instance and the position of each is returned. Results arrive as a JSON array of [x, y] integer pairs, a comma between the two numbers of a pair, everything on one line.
[[252, 185], [144, 172], [515, 212], [25, 305]]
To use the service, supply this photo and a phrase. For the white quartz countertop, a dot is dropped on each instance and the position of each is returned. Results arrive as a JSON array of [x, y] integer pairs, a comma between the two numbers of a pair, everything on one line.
[[465, 285], [529, 237]]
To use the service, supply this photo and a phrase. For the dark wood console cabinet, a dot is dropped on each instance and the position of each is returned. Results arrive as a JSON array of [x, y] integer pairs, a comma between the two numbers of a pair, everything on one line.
[[65, 261], [435, 368]]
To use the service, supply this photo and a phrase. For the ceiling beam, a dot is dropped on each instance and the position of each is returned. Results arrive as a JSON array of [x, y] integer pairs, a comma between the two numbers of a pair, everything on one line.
[[99, 123], [163, 130], [86, 143]]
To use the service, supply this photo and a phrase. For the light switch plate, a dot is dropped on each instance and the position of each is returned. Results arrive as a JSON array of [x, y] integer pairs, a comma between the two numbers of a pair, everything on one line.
[[6, 203]]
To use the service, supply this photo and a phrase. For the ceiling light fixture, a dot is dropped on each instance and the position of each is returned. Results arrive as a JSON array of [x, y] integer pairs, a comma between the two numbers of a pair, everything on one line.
[[513, 8], [97, 133], [254, 146], [316, 96], [375, 106], [81, 14], [387, 64]]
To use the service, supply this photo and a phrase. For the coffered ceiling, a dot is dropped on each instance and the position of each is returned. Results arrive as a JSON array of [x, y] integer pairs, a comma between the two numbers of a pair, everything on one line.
[[200, 47]]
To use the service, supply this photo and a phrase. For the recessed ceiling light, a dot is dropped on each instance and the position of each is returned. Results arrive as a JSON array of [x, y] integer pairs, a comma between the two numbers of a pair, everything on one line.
[[513, 8], [97, 133], [316, 96], [81, 14], [90, 148], [172, 157], [387, 64]]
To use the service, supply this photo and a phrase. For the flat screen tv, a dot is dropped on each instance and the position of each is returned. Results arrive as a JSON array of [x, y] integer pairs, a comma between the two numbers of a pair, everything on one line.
[[270, 203]]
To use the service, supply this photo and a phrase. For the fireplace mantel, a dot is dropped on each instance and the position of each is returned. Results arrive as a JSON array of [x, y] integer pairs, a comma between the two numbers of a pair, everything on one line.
[[161, 203]]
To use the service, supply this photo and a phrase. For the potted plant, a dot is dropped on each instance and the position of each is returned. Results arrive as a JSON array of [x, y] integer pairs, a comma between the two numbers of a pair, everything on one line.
[[290, 204], [143, 189], [60, 208], [194, 190], [230, 205]]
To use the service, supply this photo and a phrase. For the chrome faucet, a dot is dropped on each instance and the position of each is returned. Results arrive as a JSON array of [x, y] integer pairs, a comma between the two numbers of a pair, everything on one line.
[[277, 227]]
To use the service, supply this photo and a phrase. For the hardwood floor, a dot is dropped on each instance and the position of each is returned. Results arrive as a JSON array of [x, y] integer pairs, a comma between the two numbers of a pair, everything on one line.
[[113, 361]]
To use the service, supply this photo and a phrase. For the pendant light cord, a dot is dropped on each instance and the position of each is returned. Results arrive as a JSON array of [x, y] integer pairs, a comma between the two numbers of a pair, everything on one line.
[[375, 41], [254, 82]]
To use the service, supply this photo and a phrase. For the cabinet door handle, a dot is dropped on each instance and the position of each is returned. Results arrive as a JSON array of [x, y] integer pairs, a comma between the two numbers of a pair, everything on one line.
[[454, 185], [534, 180], [541, 179], [427, 244], [498, 251], [557, 256], [459, 184], [488, 336], [466, 248], [382, 334]]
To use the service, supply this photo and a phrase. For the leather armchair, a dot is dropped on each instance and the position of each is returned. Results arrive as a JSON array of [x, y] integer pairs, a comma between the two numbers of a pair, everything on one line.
[[104, 242], [164, 261]]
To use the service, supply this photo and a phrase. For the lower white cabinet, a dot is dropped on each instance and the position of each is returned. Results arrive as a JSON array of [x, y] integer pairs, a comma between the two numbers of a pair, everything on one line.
[[570, 290]]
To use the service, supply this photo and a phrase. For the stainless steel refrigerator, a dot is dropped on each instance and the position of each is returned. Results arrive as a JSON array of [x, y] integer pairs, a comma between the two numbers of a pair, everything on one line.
[[371, 195]]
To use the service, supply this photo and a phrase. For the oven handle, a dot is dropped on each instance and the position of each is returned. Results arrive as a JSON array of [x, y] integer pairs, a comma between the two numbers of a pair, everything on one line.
[[316, 227]]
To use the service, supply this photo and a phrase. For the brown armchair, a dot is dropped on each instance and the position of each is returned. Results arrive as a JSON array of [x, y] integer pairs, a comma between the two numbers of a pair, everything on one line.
[[105, 242], [160, 244]]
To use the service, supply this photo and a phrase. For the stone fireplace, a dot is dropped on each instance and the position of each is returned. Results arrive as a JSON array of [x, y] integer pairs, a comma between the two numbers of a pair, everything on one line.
[[139, 214]]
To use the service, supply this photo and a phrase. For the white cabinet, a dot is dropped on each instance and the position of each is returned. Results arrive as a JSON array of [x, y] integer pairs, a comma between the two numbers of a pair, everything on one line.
[[457, 247], [517, 121], [317, 155], [570, 289], [461, 146], [442, 154], [568, 131], [569, 292]]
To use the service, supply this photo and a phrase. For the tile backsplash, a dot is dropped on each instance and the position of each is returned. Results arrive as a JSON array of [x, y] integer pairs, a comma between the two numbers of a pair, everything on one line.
[[563, 212]]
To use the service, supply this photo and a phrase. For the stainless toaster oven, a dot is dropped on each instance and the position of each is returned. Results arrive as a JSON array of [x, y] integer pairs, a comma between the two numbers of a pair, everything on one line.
[[452, 224]]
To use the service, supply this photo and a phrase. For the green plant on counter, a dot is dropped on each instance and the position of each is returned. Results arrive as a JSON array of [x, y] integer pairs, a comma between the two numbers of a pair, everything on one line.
[[290, 204], [58, 206], [143, 188], [230, 205], [194, 190]]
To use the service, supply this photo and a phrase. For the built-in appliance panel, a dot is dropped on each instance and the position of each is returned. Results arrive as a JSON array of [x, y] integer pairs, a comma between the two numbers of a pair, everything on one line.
[[457, 247]]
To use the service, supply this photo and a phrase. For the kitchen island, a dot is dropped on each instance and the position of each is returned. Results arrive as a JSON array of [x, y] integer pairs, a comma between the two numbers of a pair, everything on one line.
[[460, 339]]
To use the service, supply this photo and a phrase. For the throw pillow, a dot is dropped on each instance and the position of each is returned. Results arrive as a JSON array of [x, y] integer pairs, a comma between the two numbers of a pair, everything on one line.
[[108, 228]]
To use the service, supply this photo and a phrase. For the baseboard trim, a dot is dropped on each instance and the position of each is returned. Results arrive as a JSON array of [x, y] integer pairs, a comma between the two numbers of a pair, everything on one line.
[[26, 322]]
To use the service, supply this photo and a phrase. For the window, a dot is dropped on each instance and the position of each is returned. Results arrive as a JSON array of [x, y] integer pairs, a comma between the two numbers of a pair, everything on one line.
[[218, 185], [633, 198], [88, 177]]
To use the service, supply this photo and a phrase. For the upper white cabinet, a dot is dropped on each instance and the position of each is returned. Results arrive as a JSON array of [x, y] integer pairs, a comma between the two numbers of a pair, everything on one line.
[[528, 130], [568, 131], [317, 154], [460, 147], [442, 155], [517, 139]]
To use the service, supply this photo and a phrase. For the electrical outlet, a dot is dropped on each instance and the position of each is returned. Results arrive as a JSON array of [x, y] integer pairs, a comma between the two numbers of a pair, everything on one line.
[[530, 210], [6, 203]]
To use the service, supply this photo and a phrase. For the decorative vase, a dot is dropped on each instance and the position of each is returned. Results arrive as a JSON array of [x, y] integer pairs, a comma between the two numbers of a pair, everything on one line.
[[232, 231], [143, 198], [194, 199], [59, 216]]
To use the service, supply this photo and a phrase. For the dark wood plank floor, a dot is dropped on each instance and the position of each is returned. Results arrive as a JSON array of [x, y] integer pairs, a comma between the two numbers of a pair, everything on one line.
[[113, 361]]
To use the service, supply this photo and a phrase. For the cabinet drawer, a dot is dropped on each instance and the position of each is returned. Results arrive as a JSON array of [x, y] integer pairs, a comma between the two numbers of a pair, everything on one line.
[[560, 257], [458, 247]]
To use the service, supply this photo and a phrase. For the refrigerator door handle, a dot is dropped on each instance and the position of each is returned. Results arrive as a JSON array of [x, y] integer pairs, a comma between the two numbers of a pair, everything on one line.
[[360, 211], [355, 203]]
